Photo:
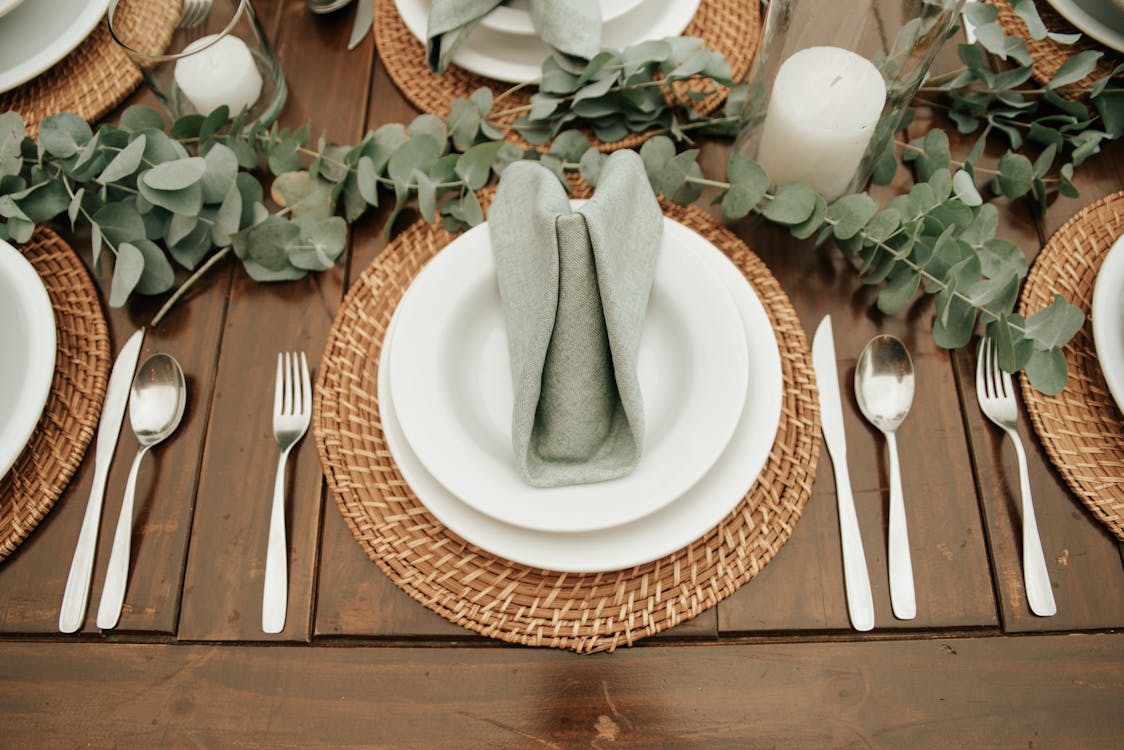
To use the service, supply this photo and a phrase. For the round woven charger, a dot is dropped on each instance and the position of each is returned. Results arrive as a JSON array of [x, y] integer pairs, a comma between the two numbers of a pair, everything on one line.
[[731, 27], [1049, 55], [96, 76], [65, 429], [517, 603], [1081, 427]]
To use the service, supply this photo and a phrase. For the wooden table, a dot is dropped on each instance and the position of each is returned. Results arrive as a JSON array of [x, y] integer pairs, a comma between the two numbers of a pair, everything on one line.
[[360, 663]]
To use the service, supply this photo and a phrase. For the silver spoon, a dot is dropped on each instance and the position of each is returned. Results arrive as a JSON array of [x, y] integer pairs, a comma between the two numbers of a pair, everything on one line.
[[884, 389], [156, 405]]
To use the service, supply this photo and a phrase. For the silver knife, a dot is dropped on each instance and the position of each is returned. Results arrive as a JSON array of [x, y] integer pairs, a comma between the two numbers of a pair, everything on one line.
[[856, 579], [364, 14], [73, 610]]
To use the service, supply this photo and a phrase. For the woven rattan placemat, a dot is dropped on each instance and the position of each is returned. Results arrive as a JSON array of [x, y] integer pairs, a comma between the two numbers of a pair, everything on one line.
[[516, 603], [1049, 55], [95, 77], [1082, 429], [731, 27], [67, 424]]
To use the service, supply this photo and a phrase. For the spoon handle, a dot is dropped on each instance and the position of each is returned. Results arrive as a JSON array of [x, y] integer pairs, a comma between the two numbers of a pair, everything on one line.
[[117, 575], [902, 597]]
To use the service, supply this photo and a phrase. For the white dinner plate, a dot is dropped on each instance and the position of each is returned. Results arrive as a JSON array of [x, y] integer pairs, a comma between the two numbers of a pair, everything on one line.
[[1106, 27], [451, 378], [655, 535], [515, 18], [7, 6], [39, 33], [1108, 320], [516, 58], [27, 352]]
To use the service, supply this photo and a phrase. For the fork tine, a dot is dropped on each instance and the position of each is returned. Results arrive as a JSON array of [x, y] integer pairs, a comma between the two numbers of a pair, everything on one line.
[[306, 387], [1005, 379], [981, 369], [279, 388], [288, 408]]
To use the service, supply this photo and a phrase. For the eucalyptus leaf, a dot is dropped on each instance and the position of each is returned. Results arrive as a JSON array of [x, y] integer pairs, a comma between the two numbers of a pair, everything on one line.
[[175, 175], [127, 271], [1047, 371], [792, 204], [125, 163], [220, 173]]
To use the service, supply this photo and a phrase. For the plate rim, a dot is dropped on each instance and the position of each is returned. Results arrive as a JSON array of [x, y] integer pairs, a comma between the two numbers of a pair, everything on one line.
[[1106, 312], [729, 338], [39, 373], [81, 26], [1088, 24], [689, 517]]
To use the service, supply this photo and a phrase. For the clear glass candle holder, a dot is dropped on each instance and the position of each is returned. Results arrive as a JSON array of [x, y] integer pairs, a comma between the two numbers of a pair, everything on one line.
[[831, 82], [217, 54]]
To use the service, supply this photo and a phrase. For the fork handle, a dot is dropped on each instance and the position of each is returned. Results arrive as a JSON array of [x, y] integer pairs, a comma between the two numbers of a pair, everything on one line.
[[275, 593], [1039, 593], [902, 597]]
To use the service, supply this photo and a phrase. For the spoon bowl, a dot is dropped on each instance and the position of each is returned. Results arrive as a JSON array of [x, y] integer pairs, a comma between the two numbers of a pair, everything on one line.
[[884, 384], [156, 405]]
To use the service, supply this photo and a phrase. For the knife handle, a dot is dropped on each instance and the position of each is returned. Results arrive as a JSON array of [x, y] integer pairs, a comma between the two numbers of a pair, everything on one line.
[[856, 579], [74, 598]]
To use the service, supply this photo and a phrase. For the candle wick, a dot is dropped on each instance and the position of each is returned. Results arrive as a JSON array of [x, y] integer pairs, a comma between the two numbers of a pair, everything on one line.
[[836, 80]]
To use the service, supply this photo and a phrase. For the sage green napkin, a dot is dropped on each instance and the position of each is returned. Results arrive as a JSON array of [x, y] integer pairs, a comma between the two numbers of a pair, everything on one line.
[[574, 287], [573, 27]]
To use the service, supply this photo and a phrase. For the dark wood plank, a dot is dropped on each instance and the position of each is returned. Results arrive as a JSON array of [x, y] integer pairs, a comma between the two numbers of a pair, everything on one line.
[[1062, 691], [1082, 558], [223, 579]]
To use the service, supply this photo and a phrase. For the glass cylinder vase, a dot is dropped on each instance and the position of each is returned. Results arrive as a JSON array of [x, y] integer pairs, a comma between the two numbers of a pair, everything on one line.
[[212, 53], [831, 83]]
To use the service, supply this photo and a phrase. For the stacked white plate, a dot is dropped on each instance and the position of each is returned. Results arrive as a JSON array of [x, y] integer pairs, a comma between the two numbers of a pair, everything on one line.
[[1108, 320], [504, 45], [27, 352], [36, 34], [711, 378], [1103, 20]]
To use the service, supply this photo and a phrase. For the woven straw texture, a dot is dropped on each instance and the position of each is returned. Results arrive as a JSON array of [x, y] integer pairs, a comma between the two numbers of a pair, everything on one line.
[[1049, 55], [516, 603], [1081, 427], [731, 27], [95, 77], [73, 406]]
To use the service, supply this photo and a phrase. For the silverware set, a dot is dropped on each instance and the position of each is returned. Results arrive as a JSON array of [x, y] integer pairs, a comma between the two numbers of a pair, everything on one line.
[[884, 387], [156, 401]]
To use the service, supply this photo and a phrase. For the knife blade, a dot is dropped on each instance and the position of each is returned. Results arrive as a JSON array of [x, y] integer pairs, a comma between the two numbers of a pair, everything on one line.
[[856, 579], [77, 593], [364, 14]]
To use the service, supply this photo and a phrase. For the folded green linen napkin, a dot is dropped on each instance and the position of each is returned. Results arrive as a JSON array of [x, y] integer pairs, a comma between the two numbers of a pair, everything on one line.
[[573, 27], [574, 287]]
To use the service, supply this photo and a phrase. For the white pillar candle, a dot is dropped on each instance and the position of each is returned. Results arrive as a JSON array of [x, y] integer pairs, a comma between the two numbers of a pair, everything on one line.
[[223, 73], [825, 104]]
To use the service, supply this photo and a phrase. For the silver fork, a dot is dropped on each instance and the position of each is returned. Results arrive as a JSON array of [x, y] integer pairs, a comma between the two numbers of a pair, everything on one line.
[[997, 401], [292, 411]]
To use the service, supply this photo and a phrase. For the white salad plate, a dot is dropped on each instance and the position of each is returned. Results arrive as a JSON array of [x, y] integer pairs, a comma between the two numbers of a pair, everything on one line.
[[27, 352], [451, 378], [1108, 319], [518, 58], [1099, 19], [655, 535], [515, 17], [39, 33]]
